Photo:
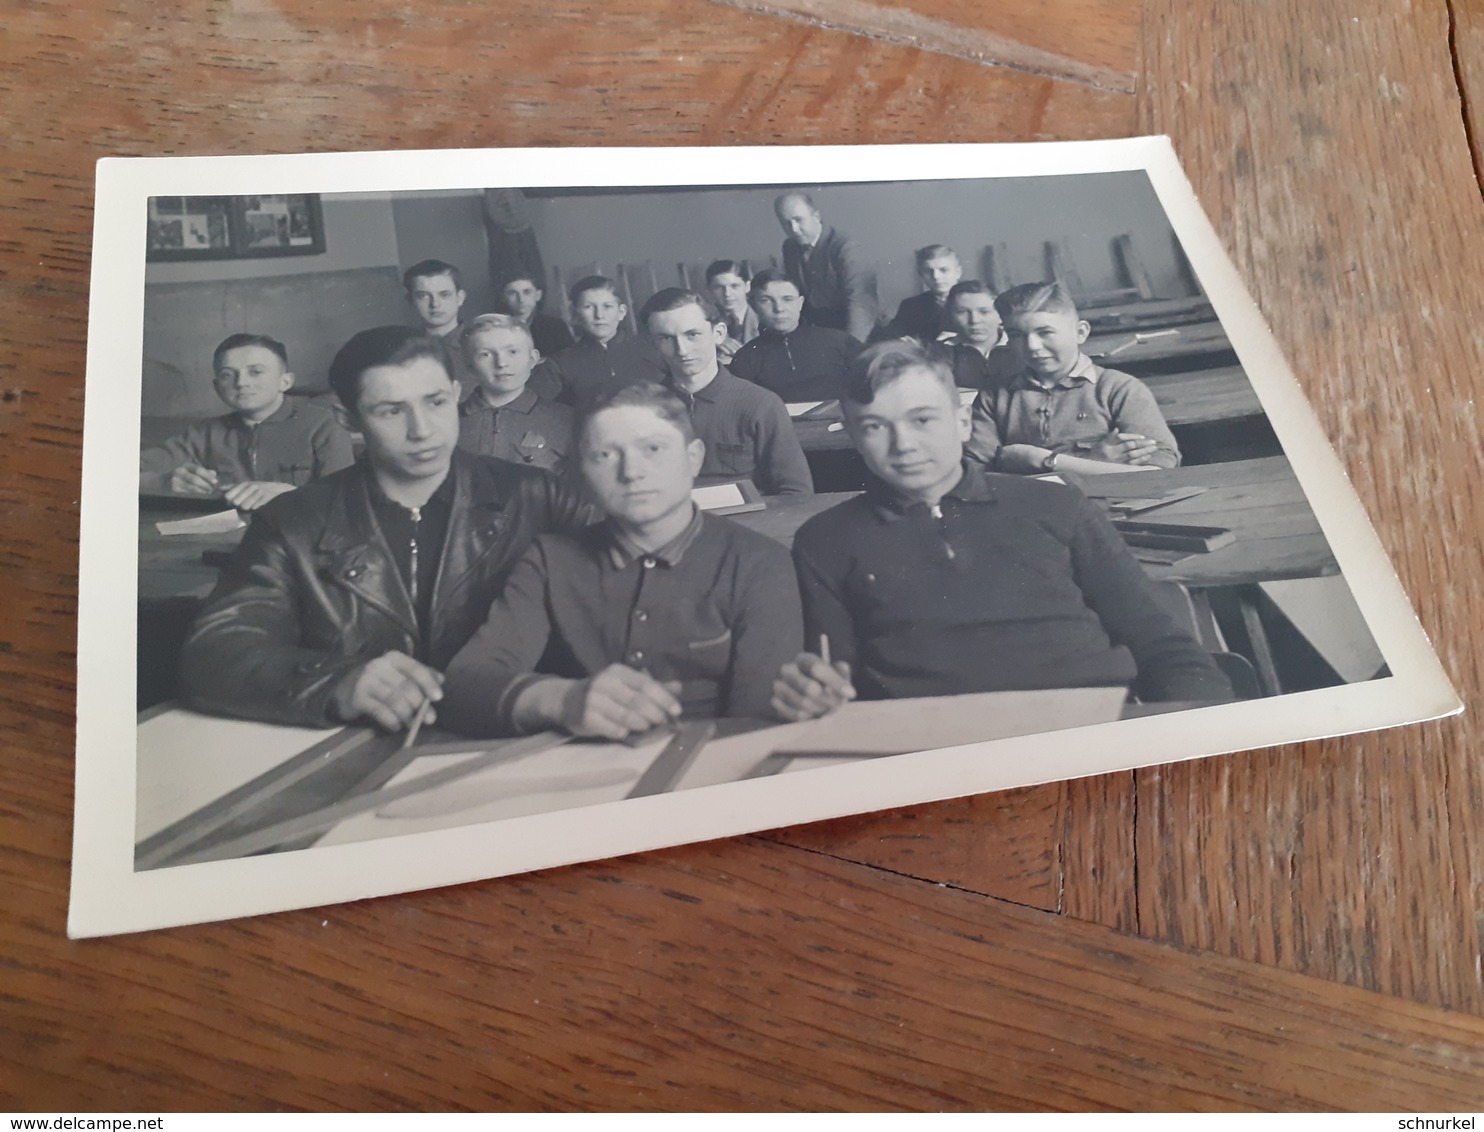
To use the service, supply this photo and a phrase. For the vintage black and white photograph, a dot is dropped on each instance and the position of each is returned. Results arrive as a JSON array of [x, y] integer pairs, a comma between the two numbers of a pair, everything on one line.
[[514, 520]]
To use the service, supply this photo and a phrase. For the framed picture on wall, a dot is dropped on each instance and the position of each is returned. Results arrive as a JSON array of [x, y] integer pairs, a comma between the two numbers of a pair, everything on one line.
[[191, 228]]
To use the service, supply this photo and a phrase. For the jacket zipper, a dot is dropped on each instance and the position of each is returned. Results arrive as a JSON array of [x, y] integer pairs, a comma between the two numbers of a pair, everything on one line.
[[417, 518]]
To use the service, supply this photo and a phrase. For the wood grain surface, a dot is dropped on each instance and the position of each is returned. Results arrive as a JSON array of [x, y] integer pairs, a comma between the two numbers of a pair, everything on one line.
[[979, 953]]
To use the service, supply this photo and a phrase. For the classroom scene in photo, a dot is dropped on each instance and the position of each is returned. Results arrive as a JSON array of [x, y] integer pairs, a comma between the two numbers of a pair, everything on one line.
[[463, 505]]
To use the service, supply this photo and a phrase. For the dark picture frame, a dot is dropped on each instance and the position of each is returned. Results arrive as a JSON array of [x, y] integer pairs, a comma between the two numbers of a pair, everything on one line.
[[183, 228]]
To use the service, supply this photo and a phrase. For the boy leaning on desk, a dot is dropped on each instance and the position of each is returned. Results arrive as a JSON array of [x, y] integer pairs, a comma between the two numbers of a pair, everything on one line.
[[265, 446], [944, 578], [1059, 411]]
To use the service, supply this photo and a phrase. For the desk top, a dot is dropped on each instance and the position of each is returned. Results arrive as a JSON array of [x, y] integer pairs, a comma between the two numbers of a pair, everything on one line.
[[1321, 899]]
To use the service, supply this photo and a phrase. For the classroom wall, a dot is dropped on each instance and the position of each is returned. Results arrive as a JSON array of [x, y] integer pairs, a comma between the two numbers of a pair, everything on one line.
[[450, 227], [359, 232], [888, 222]]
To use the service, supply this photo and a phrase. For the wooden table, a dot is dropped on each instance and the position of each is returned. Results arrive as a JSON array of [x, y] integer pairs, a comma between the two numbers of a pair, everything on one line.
[[1288, 929], [1142, 350]]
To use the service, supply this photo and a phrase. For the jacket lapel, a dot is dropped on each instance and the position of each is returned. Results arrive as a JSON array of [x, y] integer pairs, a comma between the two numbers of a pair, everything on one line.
[[364, 566]]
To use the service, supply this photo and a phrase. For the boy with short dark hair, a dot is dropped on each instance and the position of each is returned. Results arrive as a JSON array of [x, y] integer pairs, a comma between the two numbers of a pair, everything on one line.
[[1060, 411], [659, 611], [506, 415], [265, 446], [606, 356], [945, 579], [981, 357], [346, 597], [745, 428], [795, 359], [728, 282], [521, 297], [435, 291]]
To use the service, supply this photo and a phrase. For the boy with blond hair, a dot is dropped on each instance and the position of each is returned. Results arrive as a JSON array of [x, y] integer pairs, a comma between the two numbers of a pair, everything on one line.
[[1060, 411]]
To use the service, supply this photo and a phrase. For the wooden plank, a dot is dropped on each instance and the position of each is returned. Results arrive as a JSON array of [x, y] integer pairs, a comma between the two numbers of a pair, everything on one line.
[[1468, 62], [1079, 41], [1359, 860], [1005, 845], [1099, 870], [738, 975]]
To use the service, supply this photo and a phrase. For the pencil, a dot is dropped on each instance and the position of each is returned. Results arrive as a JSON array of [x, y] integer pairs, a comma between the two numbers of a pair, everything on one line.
[[417, 723], [824, 648]]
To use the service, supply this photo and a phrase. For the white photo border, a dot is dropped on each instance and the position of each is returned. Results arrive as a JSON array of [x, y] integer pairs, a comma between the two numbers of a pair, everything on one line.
[[109, 896]]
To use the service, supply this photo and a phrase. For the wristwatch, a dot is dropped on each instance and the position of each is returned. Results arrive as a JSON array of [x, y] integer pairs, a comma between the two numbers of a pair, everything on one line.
[[1049, 464]]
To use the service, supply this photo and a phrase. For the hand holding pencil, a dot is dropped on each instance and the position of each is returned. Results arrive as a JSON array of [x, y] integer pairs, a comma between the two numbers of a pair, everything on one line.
[[812, 685]]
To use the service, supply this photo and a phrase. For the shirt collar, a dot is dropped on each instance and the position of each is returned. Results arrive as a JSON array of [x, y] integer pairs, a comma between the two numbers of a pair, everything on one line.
[[284, 411], [523, 403], [622, 550], [974, 486], [1082, 370]]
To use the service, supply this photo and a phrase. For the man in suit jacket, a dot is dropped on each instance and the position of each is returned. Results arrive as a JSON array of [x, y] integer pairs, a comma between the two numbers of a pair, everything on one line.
[[838, 287]]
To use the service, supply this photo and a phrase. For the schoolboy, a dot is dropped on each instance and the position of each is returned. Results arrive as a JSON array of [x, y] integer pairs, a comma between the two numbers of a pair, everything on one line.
[[981, 356], [435, 291], [1060, 411], [727, 281], [657, 612], [943, 578], [795, 359], [925, 316], [506, 415], [745, 429], [606, 357], [522, 297], [347, 597], [265, 446]]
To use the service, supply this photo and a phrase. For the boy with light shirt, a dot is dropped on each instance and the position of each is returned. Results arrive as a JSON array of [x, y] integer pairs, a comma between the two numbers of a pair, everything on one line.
[[659, 611], [745, 428], [606, 357], [795, 359], [522, 299], [266, 446], [507, 416], [1060, 411], [944, 579], [346, 597], [728, 280], [925, 316]]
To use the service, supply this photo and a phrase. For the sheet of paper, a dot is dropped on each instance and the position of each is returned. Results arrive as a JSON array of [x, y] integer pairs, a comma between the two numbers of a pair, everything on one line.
[[217, 523], [888, 727], [716, 495], [566, 777], [799, 408], [966, 396], [187, 759]]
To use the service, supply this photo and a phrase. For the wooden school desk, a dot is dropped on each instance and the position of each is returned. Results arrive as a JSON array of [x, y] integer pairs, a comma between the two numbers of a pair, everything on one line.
[[1286, 929]]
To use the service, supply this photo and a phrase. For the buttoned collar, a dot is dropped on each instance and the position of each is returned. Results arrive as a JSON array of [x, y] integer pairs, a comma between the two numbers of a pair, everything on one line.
[[285, 411], [708, 392], [1083, 370], [524, 403], [974, 486], [622, 550]]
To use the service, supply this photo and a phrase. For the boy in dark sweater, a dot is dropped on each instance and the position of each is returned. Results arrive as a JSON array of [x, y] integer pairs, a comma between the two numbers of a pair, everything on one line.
[[658, 611], [945, 579]]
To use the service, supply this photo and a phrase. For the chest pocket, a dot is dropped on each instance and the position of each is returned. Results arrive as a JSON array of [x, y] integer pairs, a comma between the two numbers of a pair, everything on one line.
[[730, 458], [296, 474]]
